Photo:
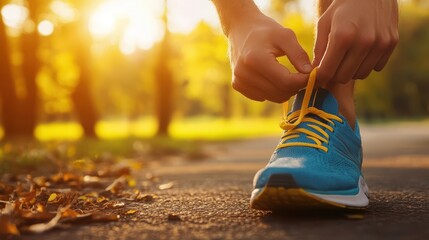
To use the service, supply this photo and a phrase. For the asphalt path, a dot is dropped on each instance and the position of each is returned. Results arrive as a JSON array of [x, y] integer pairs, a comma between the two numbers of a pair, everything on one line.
[[210, 198]]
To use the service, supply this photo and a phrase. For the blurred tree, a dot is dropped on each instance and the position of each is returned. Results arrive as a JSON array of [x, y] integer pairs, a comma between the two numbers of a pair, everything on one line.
[[164, 84], [82, 98], [7, 88], [30, 67], [409, 68], [204, 68], [20, 112]]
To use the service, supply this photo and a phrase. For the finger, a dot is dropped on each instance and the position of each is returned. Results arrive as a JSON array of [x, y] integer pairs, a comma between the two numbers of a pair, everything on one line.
[[385, 58], [267, 67], [247, 91], [371, 59], [339, 43], [253, 80], [350, 64], [321, 42], [368, 65], [285, 39]]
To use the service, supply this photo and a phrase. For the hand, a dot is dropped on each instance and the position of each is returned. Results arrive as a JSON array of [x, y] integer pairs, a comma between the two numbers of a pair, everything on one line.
[[255, 43], [355, 37]]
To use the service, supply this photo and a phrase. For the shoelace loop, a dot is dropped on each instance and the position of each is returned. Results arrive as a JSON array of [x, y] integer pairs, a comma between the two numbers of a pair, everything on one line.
[[290, 122]]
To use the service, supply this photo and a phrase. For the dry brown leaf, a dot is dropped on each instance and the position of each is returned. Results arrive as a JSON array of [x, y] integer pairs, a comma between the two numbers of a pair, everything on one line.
[[104, 217], [43, 227], [28, 197], [31, 216], [147, 198], [6, 188], [114, 172], [117, 185], [6, 226]]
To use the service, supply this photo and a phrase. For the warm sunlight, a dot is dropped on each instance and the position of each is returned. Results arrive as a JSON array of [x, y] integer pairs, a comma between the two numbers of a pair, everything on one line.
[[134, 23], [14, 15], [45, 28]]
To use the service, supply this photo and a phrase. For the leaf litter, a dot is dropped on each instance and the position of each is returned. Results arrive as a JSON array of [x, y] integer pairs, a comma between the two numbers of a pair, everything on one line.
[[36, 204]]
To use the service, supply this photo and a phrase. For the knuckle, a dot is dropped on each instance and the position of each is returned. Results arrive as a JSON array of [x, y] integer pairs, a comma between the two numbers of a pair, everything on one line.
[[236, 84], [366, 41], [287, 34], [395, 38], [384, 42], [250, 58], [345, 35], [238, 70]]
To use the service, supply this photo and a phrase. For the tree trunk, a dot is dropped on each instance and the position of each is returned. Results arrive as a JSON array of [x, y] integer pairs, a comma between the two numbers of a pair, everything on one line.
[[82, 98], [7, 88], [164, 82], [30, 67], [164, 89]]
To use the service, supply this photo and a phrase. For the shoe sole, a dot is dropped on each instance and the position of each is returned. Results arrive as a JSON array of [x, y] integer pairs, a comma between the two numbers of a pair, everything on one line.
[[282, 193]]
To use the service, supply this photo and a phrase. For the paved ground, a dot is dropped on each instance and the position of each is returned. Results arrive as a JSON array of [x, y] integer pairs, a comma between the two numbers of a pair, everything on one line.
[[209, 199]]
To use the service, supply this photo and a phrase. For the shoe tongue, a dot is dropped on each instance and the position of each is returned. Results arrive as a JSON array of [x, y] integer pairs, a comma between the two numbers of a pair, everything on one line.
[[321, 99]]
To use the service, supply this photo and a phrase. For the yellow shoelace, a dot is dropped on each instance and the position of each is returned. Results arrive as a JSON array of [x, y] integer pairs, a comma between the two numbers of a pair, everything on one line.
[[290, 123]]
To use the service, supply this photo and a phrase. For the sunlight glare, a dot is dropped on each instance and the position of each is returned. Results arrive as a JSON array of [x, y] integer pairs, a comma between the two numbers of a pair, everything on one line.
[[45, 28], [136, 24], [14, 15], [63, 10], [102, 21], [183, 16]]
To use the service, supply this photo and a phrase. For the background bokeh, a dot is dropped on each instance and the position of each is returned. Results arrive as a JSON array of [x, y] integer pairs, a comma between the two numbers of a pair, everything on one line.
[[121, 68]]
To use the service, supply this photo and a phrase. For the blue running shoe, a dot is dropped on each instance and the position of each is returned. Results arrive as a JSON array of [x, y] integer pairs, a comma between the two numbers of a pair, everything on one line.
[[318, 161]]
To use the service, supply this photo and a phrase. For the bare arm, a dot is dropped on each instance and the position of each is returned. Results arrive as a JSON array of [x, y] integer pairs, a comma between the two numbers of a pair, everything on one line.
[[255, 42]]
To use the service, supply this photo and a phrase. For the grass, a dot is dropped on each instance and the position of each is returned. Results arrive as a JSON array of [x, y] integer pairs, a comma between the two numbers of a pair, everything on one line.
[[201, 128]]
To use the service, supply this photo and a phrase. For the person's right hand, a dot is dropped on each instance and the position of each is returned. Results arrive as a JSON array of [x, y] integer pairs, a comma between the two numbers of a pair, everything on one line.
[[255, 43]]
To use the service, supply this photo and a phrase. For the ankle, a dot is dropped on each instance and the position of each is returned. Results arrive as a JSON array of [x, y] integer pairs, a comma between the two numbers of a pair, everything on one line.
[[344, 95]]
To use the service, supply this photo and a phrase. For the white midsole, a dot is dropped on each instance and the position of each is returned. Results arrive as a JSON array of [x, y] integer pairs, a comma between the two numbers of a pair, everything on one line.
[[358, 200]]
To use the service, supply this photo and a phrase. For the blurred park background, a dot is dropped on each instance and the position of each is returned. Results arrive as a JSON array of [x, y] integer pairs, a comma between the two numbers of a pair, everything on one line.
[[142, 68]]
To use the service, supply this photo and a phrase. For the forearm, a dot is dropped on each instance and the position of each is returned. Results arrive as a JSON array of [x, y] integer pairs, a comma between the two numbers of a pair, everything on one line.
[[231, 12]]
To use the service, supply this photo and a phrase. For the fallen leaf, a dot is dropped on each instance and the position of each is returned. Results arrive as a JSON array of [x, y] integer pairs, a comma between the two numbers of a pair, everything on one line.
[[52, 197], [166, 186], [43, 227], [7, 227], [104, 217], [116, 185], [147, 198], [114, 172], [6, 188], [131, 211]]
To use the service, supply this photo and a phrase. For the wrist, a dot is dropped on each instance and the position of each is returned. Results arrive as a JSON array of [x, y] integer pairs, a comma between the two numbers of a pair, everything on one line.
[[235, 14]]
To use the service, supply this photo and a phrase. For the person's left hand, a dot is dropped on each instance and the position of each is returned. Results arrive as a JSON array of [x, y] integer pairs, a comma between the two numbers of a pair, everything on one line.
[[353, 38]]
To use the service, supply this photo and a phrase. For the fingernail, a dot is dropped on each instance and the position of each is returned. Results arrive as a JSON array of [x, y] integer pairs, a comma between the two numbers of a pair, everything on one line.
[[307, 68]]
